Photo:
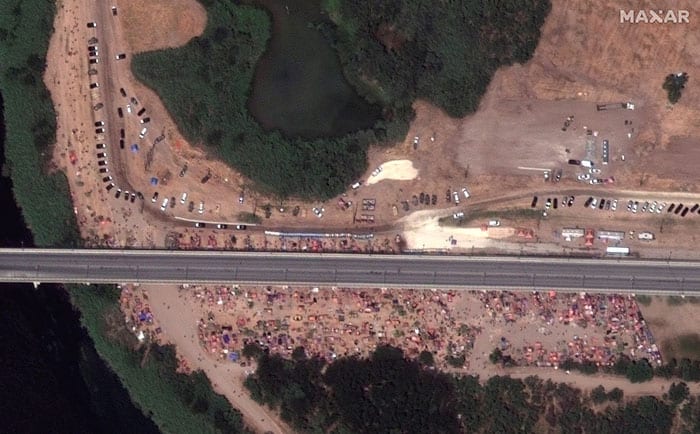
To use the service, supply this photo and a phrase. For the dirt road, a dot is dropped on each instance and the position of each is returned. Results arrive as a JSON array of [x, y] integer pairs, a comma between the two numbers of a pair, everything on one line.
[[179, 323]]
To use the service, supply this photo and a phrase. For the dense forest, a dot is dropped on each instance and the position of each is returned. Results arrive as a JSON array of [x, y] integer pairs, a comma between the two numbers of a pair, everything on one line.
[[389, 393], [444, 52], [30, 122], [391, 52]]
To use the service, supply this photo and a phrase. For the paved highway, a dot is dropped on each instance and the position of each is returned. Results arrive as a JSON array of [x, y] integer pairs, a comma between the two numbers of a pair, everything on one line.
[[131, 266]]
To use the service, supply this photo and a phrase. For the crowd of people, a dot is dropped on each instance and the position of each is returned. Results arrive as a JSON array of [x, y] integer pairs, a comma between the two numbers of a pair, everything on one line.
[[537, 328], [606, 326]]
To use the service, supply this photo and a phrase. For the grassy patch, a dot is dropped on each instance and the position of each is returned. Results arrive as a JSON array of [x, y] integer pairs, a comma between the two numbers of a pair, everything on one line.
[[644, 300], [682, 346]]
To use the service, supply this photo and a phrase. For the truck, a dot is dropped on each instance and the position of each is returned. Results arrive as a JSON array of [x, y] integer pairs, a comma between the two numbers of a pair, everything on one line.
[[587, 163]]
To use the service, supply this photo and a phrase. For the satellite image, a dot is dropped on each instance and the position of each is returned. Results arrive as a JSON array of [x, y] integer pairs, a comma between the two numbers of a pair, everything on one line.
[[350, 216]]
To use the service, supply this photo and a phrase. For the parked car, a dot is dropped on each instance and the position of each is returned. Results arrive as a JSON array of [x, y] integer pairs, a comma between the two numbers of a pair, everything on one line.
[[613, 206], [118, 193], [222, 226], [200, 225], [100, 146], [183, 198], [465, 192], [594, 203], [534, 202], [201, 208], [120, 56], [190, 207], [172, 202], [588, 202], [140, 112], [570, 202], [455, 196], [110, 186], [155, 197], [241, 227], [164, 205], [458, 215]]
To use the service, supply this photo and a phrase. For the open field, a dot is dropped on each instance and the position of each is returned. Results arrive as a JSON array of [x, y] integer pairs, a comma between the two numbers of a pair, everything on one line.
[[675, 327]]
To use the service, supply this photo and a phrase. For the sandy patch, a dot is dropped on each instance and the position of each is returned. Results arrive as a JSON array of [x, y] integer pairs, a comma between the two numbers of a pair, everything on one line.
[[161, 24], [178, 320], [398, 170], [430, 235]]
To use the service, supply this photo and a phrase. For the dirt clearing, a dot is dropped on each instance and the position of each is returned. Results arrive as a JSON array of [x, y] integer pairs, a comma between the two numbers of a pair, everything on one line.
[[162, 23]]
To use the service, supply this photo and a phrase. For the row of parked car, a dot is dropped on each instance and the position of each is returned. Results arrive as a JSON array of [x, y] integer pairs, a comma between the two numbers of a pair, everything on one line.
[[656, 207]]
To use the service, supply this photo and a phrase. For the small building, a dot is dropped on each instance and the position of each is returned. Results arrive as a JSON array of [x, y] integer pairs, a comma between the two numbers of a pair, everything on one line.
[[611, 235], [570, 233], [617, 251]]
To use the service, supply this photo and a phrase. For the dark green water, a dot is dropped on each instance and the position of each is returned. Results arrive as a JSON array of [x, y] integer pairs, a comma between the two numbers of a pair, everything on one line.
[[299, 87]]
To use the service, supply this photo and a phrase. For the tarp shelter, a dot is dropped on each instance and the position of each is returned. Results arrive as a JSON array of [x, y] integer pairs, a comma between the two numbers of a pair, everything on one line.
[[233, 356], [134, 148], [154, 181]]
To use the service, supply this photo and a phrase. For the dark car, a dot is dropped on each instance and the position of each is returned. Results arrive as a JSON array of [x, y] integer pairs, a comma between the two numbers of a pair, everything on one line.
[[448, 195], [190, 207], [422, 198], [122, 91], [685, 211], [122, 134], [121, 143], [415, 200], [694, 208], [601, 204], [556, 203], [183, 170], [101, 163], [140, 112], [200, 225], [671, 207], [221, 226], [133, 197], [570, 202], [120, 112], [534, 202], [588, 202], [118, 193], [104, 170], [106, 179], [100, 146], [109, 187], [679, 208], [241, 227], [575, 162], [433, 199], [172, 202]]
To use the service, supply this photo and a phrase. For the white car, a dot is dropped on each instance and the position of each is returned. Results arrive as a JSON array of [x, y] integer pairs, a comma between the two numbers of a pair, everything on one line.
[[201, 208], [591, 170], [458, 215], [613, 206], [661, 207], [376, 171], [165, 204], [183, 198], [466, 193], [142, 134], [128, 108]]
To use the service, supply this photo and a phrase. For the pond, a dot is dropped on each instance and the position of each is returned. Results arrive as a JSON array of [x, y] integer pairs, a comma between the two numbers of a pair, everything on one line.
[[299, 87]]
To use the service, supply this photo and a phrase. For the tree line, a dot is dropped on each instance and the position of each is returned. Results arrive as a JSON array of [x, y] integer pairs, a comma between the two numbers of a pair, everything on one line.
[[387, 392], [30, 123]]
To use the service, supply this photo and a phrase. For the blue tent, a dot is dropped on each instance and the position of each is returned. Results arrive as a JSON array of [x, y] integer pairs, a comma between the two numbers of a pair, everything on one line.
[[233, 356], [154, 181], [134, 148]]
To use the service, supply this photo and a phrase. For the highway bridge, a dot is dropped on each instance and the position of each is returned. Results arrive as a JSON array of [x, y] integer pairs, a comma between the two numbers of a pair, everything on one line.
[[345, 270]]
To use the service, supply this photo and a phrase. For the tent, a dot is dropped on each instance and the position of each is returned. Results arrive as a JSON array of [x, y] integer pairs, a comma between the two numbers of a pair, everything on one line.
[[154, 181], [134, 148], [233, 356]]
